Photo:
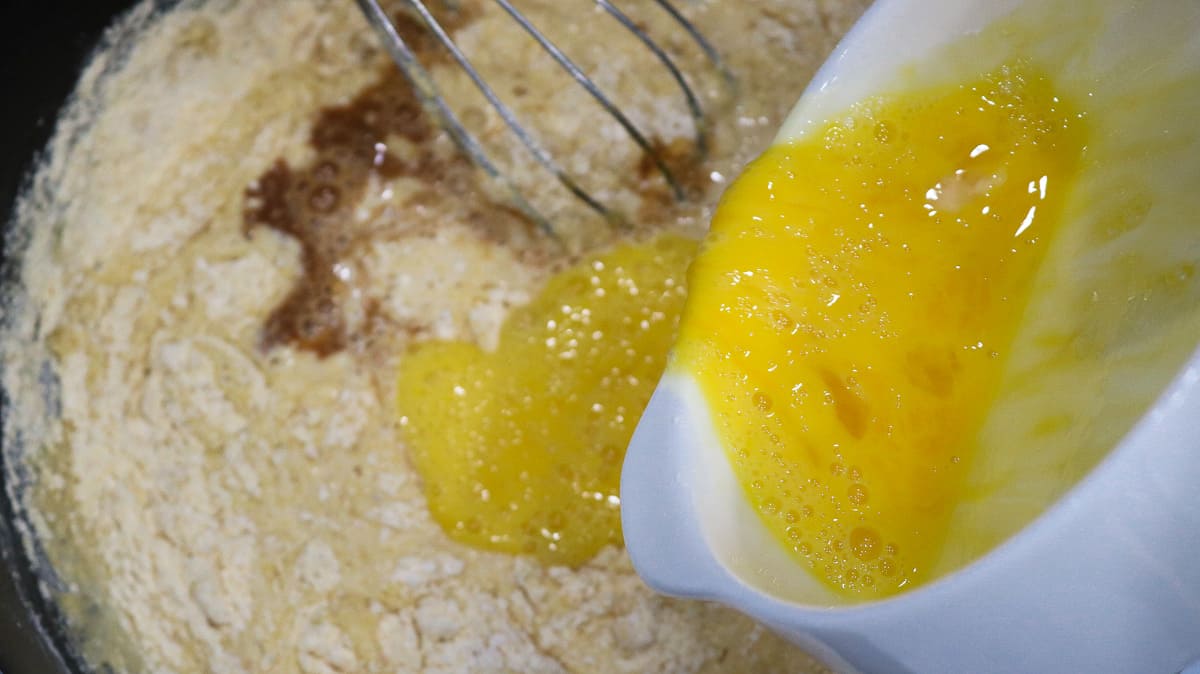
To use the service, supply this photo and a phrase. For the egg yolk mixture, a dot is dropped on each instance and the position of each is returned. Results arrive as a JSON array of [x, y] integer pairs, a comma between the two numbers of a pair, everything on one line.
[[851, 309], [520, 449]]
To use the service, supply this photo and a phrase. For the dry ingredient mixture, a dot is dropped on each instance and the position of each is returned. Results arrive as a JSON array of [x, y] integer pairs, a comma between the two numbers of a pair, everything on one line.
[[244, 223]]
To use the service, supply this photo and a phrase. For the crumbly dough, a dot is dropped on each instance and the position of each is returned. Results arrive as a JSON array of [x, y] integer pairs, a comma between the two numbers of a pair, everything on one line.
[[208, 505]]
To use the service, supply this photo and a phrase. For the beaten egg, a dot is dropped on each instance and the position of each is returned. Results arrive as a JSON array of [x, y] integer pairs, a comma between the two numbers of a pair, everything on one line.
[[853, 305], [520, 448]]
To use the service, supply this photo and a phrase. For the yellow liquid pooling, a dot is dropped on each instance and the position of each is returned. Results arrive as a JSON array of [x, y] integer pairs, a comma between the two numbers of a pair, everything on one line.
[[851, 310], [520, 450]]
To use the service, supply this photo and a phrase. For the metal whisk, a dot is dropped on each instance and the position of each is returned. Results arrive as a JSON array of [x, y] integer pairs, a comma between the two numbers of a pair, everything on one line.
[[406, 59]]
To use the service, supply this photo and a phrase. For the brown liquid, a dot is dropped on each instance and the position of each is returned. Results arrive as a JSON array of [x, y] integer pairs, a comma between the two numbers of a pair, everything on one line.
[[658, 201], [314, 203]]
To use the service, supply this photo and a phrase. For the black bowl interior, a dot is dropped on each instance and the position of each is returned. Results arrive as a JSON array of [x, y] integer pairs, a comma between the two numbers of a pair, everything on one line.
[[44, 47]]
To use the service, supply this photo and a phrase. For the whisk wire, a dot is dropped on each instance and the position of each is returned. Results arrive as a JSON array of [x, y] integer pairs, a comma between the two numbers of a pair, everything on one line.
[[421, 80], [427, 90], [710, 51], [699, 121], [590, 86], [506, 113]]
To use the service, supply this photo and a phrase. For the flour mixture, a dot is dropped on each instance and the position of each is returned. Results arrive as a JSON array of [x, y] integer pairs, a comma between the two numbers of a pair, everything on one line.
[[244, 224]]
